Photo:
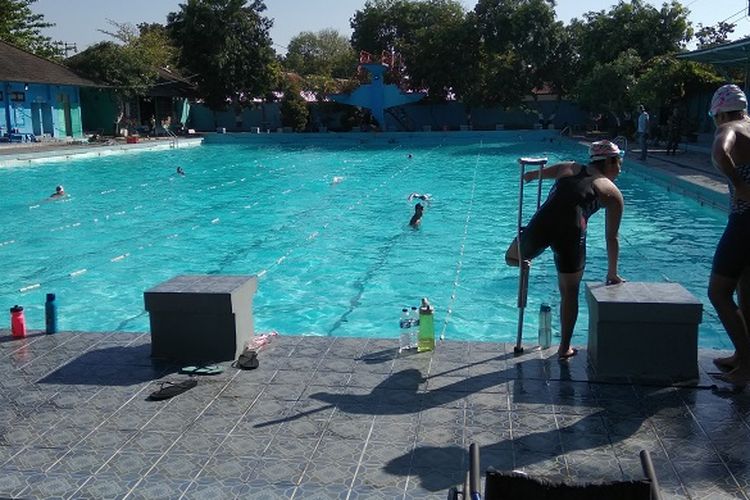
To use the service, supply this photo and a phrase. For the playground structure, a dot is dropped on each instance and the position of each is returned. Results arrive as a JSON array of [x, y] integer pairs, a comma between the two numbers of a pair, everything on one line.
[[378, 96]]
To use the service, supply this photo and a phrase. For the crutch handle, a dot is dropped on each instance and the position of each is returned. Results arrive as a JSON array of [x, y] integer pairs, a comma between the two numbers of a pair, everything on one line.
[[532, 161]]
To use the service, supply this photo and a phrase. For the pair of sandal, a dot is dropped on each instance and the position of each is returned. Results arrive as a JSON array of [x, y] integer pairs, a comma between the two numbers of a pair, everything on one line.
[[169, 389]]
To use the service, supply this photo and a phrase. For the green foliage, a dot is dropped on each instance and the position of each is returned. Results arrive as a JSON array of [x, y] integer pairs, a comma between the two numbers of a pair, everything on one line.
[[19, 26], [710, 36], [114, 65], [326, 53], [227, 46], [667, 81], [603, 36], [523, 47], [294, 112], [607, 86], [149, 43]]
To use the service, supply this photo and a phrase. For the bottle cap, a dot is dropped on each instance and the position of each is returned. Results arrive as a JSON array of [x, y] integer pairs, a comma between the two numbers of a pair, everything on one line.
[[16, 308], [545, 308], [404, 310], [426, 307], [50, 297]]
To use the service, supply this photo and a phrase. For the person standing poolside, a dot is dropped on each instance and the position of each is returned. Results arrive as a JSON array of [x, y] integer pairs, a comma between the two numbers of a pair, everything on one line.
[[675, 131], [730, 272], [560, 223], [643, 122]]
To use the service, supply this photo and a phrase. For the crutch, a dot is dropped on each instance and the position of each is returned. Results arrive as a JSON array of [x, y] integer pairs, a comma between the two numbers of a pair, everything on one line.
[[523, 265]]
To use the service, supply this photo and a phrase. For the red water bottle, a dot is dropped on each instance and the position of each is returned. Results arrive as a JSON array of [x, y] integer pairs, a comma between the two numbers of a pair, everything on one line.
[[17, 322]]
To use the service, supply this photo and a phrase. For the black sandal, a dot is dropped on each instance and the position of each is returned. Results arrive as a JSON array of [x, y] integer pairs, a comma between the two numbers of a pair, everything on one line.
[[171, 389]]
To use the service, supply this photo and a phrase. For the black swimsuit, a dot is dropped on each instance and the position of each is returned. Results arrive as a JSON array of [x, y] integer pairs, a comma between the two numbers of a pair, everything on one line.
[[732, 255], [561, 222]]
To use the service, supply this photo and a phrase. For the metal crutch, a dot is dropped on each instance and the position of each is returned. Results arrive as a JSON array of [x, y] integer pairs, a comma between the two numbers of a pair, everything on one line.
[[523, 265]]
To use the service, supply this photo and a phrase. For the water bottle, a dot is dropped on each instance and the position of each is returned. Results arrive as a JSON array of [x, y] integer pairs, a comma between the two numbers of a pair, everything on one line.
[[426, 336], [545, 326], [404, 326], [17, 322], [50, 314], [414, 330]]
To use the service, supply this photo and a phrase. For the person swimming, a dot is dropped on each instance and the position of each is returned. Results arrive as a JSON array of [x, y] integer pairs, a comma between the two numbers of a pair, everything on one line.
[[417, 196], [180, 171], [337, 179], [59, 193], [416, 219]]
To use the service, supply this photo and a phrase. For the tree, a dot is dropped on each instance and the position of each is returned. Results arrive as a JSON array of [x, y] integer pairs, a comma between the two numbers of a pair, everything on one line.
[[227, 46], [150, 41], [710, 36], [294, 110], [607, 87], [602, 37], [19, 26], [325, 53], [667, 81], [121, 67], [523, 47]]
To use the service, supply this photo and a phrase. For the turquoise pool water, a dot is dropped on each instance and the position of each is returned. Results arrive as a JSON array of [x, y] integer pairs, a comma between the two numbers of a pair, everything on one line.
[[335, 258]]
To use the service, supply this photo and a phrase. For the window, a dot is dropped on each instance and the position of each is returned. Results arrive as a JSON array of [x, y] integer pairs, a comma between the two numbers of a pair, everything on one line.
[[18, 96]]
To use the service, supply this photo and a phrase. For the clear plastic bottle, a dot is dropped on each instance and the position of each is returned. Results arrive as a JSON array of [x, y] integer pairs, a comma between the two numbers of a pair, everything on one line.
[[545, 326], [414, 330], [405, 330]]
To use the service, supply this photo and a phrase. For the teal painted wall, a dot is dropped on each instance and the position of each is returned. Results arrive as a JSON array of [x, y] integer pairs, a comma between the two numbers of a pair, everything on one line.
[[40, 109]]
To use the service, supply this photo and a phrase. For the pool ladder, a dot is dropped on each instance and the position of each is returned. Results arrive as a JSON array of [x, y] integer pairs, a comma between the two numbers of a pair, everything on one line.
[[524, 265], [173, 139]]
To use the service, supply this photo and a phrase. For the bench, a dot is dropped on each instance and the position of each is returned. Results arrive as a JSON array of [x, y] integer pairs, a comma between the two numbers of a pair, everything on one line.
[[201, 318], [643, 331]]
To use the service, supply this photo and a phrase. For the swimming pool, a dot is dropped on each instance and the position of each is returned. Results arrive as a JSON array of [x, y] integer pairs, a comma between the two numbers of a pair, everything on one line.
[[334, 258]]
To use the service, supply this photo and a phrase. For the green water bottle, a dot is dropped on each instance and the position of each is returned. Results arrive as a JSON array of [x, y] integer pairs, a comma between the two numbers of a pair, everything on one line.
[[426, 336]]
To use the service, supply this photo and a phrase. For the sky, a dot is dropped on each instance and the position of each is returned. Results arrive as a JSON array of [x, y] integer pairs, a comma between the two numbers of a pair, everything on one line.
[[77, 21]]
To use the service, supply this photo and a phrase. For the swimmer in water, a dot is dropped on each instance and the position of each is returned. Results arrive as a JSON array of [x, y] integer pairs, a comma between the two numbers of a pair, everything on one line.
[[336, 180], [59, 193], [180, 171], [417, 196], [416, 219]]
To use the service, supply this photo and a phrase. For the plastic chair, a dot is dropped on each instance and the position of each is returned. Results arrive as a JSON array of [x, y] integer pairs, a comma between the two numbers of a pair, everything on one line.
[[519, 486]]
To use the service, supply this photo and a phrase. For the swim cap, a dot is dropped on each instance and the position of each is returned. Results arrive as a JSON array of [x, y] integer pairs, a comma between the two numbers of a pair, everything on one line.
[[59, 189], [601, 150], [728, 98]]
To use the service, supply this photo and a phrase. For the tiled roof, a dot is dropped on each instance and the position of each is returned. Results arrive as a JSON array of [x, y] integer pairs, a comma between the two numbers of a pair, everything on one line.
[[17, 65]]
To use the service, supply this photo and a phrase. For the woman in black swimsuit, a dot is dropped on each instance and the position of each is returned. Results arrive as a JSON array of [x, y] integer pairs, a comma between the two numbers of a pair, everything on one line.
[[560, 223]]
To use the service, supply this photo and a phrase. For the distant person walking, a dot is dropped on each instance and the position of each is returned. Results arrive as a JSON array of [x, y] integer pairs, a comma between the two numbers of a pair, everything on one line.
[[730, 272], [643, 122]]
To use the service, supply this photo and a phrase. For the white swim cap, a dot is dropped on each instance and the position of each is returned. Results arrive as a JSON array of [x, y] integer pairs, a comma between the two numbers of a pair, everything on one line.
[[601, 150], [728, 98]]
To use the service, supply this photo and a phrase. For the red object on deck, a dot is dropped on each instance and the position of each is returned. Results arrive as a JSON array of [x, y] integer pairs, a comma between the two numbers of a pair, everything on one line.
[[17, 322], [131, 139]]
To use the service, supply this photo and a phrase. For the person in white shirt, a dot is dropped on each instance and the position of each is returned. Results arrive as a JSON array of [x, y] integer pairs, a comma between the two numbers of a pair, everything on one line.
[[643, 120]]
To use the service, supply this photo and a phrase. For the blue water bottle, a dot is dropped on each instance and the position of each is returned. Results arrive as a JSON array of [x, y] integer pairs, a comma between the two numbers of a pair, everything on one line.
[[50, 314]]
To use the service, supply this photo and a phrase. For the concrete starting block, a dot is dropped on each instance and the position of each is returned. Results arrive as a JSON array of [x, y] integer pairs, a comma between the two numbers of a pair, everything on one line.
[[201, 318], [643, 331]]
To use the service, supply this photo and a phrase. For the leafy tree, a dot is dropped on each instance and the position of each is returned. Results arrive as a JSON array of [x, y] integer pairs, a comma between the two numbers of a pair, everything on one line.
[[226, 44], [294, 112], [21, 27], [523, 47], [602, 37], [607, 87], [667, 81], [710, 36], [325, 53], [149, 41]]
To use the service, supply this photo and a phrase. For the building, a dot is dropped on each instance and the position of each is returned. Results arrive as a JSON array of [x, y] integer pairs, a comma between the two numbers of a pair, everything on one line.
[[37, 96]]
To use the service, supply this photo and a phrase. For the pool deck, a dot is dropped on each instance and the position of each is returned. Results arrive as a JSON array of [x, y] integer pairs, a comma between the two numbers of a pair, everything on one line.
[[346, 418]]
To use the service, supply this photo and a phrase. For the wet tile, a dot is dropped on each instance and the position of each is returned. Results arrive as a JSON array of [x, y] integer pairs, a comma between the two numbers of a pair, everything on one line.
[[53, 486], [338, 474], [159, 487], [127, 466], [228, 468], [105, 487]]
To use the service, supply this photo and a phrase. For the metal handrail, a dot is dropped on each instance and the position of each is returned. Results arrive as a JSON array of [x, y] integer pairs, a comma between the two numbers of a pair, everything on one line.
[[173, 138]]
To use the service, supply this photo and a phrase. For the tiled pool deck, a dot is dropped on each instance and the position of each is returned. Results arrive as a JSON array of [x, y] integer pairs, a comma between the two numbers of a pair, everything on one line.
[[345, 418]]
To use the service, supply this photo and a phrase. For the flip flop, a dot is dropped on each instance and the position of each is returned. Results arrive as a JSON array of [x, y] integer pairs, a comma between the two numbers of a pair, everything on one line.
[[202, 370], [171, 389], [568, 356]]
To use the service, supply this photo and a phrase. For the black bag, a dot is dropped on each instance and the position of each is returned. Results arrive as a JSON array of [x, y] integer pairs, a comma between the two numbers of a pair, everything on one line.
[[248, 360]]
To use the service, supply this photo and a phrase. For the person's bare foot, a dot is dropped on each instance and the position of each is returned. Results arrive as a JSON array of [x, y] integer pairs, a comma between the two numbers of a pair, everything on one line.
[[567, 354], [726, 364], [740, 376]]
